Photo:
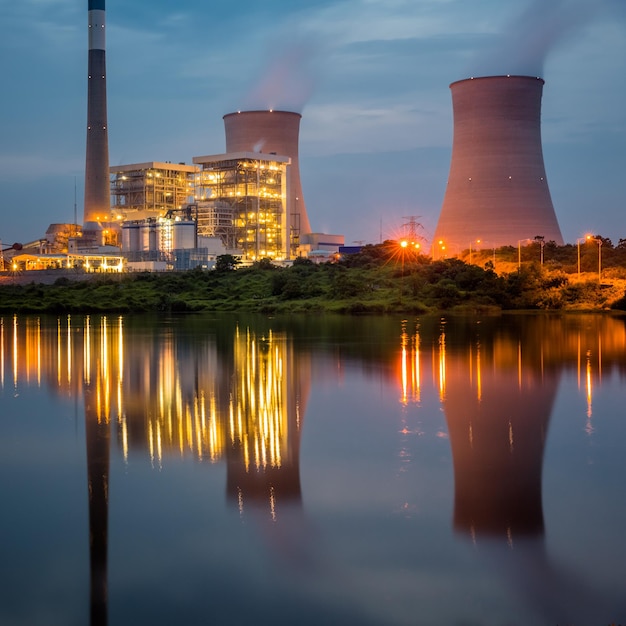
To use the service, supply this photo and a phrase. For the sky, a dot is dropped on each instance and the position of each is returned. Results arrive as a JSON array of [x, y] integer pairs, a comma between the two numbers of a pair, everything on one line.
[[370, 78]]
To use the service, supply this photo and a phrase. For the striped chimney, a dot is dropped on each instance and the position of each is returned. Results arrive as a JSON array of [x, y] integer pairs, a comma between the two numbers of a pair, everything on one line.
[[97, 190]]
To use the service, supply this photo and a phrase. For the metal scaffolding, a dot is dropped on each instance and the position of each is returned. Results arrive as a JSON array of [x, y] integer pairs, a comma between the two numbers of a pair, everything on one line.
[[151, 189], [241, 198]]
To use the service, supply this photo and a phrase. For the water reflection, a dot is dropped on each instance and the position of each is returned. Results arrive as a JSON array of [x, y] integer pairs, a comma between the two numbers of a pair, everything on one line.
[[497, 390], [236, 393]]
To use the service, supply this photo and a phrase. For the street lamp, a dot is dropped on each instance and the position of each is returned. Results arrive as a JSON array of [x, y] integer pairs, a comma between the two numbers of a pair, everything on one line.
[[519, 251], [585, 238], [470, 250], [540, 240], [599, 242]]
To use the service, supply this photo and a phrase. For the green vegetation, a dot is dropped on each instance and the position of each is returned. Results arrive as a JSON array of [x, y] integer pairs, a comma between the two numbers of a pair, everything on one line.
[[380, 279]]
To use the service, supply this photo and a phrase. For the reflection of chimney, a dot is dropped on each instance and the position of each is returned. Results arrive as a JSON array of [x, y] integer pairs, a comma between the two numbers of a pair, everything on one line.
[[98, 444], [272, 132], [497, 188]]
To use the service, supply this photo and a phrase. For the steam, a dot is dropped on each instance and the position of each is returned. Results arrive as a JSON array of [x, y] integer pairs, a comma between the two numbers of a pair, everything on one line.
[[527, 41], [287, 82]]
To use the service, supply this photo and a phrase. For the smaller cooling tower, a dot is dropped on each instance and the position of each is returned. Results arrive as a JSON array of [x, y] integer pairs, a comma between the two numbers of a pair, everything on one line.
[[497, 187], [272, 132]]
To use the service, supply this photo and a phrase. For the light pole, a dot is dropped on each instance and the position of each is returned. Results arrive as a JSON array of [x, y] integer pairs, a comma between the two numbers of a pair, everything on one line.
[[540, 240], [519, 251], [585, 238], [599, 242], [470, 250]]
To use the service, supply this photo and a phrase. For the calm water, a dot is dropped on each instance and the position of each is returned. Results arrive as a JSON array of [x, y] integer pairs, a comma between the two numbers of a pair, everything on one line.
[[241, 470]]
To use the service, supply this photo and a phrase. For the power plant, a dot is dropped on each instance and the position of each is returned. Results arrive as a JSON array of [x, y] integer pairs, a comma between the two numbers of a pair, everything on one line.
[[248, 201], [97, 206], [272, 132], [497, 190]]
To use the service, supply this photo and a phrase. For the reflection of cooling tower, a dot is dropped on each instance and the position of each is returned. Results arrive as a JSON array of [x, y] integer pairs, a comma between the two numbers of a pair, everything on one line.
[[497, 188], [497, 444], [270, 132]]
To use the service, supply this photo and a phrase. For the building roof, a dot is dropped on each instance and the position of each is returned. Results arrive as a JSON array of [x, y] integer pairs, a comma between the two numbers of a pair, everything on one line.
[[242, 156], [153, 165]]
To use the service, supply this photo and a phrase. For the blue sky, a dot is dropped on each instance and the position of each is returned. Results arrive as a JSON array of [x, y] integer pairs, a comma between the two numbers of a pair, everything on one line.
[[370, 77]]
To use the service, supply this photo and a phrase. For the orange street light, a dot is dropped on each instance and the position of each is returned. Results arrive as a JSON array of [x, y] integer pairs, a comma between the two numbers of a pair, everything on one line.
[[470, 250], [585, 238], [519, 251], [599, 242]]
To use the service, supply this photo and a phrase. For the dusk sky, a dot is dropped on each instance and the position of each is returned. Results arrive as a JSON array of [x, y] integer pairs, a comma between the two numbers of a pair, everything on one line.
[[370, 77]]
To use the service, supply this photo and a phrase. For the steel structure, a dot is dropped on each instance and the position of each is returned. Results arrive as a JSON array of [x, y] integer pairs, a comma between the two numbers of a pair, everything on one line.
[[151, 189], [272, 132], [242, 198], [497, 188]]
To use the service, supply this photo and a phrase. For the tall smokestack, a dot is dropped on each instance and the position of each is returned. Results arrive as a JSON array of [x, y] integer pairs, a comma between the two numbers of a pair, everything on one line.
[[497, 187], [272, 132], [97, 190]]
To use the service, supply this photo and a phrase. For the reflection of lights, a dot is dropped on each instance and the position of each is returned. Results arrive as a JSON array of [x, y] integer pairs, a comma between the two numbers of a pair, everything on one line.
[[442, 365], [479, 375], [1, 353], [15, 352], [410, 366], [258, 400], [589, 386]]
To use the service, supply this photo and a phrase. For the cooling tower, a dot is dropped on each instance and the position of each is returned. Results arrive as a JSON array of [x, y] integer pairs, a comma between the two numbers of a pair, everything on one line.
[[97, 188], [270, 132], [497, 187]]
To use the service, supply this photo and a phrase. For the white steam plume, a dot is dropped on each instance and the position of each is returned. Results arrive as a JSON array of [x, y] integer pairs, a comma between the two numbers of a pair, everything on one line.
[[525, 44], [287, 81]]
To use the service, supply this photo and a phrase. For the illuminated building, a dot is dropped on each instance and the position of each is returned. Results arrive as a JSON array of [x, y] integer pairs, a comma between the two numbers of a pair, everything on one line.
[[242, 198], [103, 262], [150, 190], [497, 188], [272, 132]]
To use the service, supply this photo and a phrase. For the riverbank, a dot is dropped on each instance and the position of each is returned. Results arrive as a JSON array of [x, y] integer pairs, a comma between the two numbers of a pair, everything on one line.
[[421, 286]]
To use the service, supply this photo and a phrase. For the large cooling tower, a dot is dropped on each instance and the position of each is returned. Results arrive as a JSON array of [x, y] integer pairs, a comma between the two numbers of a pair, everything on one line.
[[272, 132], [497, 188]]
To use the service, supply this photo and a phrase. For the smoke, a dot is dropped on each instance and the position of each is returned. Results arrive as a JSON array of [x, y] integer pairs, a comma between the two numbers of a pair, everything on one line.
[[525, 44], [287, 79]]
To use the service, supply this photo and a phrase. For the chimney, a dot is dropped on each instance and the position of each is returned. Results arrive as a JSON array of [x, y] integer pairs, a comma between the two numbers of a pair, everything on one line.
[[97, 206]]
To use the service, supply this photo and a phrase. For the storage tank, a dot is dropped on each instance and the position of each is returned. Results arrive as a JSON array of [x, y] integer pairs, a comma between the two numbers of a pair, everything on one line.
[[497, 188], [272, 132], [130, 237], [183, 235], [149, 236]]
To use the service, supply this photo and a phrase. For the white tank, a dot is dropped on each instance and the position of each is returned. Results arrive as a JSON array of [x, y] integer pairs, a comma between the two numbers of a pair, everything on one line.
[[183, 235], [149, 236], [130, 237]]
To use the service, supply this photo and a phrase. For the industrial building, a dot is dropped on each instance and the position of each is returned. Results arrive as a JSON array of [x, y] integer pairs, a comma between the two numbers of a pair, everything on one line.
[[272, 132], [242, 198], [497, 189], [149, 190]]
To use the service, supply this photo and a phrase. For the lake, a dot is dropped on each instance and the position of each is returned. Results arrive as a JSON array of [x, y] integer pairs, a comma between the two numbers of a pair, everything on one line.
[[234, 469]]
